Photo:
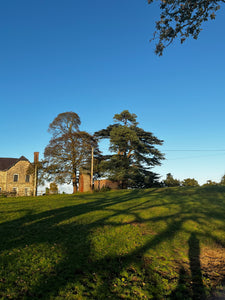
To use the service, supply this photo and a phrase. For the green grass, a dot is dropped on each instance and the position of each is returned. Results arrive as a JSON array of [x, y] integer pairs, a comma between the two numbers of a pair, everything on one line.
[[139, 244]]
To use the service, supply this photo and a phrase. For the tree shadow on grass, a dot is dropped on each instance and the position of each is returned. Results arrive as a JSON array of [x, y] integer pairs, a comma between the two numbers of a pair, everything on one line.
[[182, 290], [77, 271], [58, 227], [77, 266]]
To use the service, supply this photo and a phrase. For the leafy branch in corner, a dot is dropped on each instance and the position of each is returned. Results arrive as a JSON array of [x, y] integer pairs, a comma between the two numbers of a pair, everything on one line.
[[182, 19]]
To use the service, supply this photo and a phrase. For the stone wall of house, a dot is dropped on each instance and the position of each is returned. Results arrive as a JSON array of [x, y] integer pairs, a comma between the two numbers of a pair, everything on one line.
[[3, 180], [99, 184], [22, 187]]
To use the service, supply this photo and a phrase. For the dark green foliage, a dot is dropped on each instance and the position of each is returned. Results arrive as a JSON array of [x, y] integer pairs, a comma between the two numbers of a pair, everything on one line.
[[104, 189], [210, 182], [170, 181], [183, 19], [222, 182], [189, 182], [134, 152]]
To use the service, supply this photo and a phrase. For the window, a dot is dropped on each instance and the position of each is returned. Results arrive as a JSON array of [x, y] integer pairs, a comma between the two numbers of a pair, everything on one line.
[[15, 177], [27, 178], [0, 190], [27, 192]]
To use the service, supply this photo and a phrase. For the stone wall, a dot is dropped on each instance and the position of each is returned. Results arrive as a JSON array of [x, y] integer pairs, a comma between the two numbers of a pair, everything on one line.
[[21, 187], [3, 180]]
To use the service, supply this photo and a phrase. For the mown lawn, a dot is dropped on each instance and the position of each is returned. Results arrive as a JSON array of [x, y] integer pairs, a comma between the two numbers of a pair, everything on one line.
[[139, 244]]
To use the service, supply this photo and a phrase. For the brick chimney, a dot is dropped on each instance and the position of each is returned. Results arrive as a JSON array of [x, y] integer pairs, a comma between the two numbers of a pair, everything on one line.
[[36, 157]]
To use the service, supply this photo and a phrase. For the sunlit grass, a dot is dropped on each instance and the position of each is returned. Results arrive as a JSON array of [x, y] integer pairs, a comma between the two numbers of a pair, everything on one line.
[[138, 244]]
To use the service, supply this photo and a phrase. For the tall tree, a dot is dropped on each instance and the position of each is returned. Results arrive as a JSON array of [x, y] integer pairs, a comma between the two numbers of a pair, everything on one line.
[[222, 181], [134, 153], [170, 181], [68, 151], [182, 18]]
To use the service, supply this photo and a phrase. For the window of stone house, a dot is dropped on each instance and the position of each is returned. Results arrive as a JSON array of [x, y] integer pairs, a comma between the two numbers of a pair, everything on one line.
[[0, 190], [27, 178], [27, 192], [15, 177]]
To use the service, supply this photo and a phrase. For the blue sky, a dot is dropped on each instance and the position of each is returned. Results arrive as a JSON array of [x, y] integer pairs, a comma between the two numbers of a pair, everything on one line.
[[94, 58]]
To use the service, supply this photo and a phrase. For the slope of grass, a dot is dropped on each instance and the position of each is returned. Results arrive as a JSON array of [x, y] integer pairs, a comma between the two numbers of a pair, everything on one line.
[[139, 244]]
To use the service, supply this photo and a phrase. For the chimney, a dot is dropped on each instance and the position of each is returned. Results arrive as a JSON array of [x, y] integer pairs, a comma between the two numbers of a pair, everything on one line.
[[36, 157]]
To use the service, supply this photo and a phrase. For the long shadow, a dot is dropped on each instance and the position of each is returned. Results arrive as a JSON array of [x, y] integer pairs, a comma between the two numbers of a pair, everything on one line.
[[195, 267], [182, 290], [63, 227], [73, 237], [196, 290]]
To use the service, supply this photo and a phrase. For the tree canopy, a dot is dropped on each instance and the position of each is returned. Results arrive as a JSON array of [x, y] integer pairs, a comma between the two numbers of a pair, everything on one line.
[[134, 152], [183, 19], [189, 182], [68, 151], [170, 181], [222, 182], [209, 183]]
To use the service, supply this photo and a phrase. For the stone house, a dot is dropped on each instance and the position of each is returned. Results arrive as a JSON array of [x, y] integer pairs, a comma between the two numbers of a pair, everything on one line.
[[14, 178]]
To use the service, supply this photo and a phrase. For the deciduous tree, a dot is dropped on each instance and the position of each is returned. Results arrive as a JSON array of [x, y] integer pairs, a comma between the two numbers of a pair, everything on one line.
[[68, 150], [189, 182], [53, 188], [210, 182], [183, 19]]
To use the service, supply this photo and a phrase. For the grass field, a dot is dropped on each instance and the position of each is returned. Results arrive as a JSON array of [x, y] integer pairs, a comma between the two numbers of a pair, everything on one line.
[[138, 244]]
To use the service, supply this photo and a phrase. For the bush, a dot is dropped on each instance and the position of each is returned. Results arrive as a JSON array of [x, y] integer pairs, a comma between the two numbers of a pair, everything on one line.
[[7, 194], [190, 182], [3, 194], [103, 189]]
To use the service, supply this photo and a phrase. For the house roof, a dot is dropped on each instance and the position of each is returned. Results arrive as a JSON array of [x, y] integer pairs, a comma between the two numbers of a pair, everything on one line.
[[7, 163]]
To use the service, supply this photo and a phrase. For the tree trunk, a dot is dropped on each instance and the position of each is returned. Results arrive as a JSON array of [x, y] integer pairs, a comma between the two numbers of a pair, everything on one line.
[[124, 184], [74, 183]]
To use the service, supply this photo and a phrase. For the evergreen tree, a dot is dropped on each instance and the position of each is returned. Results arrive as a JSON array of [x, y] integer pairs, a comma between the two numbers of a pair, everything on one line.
[[170, 181], [134, 152]]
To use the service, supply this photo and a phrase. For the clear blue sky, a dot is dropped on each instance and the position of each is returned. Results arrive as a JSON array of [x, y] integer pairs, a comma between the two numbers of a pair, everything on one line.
[[94, 58]]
